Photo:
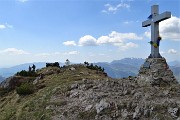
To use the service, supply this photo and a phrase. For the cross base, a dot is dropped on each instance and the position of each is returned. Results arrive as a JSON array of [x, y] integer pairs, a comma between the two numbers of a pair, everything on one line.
[[156, 72], [159, 56]]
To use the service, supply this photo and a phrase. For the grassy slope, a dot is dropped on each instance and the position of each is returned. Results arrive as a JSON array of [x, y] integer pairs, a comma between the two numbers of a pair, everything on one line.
[[13, 106]]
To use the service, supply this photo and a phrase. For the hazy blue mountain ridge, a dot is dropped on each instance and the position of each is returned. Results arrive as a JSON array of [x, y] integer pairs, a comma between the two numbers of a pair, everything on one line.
[[174, 63], [130, 61], [6, 72], [1, 78], [115, 69], [122, 68]]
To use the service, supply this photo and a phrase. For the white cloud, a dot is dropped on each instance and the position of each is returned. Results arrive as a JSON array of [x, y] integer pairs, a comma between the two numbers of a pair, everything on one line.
[[2, 27], [147, 34], [13, 51], [87, 40], [172, 51], [71, 53], [8, 25], [130, 22], [114, 38], [113, 9], [69, 43], [169, 29], [127, 22], [125, 36], [104, 11], [126, 46], [103, 40], [129, 45]]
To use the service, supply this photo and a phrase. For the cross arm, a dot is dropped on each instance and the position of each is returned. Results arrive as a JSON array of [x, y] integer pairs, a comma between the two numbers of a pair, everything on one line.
[[162, 17], [146, 23]]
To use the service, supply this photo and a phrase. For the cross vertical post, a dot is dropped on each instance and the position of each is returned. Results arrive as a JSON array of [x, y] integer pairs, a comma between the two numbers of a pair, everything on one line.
[[154, 32], [154, 20]]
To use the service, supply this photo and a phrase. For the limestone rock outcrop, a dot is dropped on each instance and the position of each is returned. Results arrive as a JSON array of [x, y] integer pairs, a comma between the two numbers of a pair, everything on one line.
[[155, 71], [112, 99]]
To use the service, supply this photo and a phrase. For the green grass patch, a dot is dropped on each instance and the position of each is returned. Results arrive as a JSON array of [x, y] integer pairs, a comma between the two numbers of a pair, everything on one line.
[[87, 115]]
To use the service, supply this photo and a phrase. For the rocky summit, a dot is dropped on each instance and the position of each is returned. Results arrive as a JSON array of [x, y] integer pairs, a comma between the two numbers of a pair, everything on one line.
[[77, 92]]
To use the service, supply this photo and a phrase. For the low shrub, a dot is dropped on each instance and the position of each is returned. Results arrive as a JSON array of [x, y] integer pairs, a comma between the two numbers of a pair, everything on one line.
[[25, 73], [25, 89], [3, 91], [93, 67]]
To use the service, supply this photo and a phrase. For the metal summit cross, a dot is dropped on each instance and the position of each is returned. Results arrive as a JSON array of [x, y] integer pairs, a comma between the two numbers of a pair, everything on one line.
[[154, 20]]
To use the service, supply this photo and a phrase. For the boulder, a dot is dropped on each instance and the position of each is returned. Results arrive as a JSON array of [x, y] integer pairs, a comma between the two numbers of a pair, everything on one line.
[[102, 105], [174, 112], [72, 69], [88, 107]]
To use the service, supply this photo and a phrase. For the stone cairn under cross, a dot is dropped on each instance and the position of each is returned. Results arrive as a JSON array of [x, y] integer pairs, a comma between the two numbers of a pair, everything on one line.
[[155, 70]]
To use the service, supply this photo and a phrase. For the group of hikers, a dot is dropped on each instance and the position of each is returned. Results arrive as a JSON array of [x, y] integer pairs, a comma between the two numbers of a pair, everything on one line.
[[33, 68]]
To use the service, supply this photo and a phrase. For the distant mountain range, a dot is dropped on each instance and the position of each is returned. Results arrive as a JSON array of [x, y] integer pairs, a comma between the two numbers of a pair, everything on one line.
[[2, 78], [122, 68], [115, 69], [6, 72], [130, 67]]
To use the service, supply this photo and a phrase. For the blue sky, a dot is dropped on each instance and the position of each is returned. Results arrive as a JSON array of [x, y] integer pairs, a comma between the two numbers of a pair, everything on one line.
[[83, 30]]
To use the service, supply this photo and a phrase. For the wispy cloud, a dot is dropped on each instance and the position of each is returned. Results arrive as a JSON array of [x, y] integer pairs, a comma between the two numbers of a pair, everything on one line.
[[128, 45], [4, 26], [114, 8], [23, 0], [13, 51], [69, 43], [56, 54], [8, 25], [172, 51], [118, 38], [148, 34], [71, 53], [130, 22]]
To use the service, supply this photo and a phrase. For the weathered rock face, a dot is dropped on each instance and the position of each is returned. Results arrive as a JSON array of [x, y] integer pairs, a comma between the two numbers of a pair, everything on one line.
[[120, 99], [155, 71], [11, 82]]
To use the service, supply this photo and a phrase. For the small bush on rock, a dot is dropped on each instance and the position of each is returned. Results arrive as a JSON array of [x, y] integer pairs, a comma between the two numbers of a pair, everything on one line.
[[93, 67], [25, 73], [25, 89]]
